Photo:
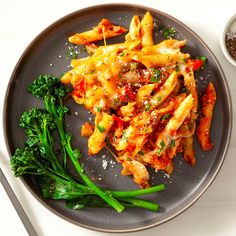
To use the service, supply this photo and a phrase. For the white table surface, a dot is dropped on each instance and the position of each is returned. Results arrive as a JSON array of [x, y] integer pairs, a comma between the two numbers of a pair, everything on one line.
[[214, 213]]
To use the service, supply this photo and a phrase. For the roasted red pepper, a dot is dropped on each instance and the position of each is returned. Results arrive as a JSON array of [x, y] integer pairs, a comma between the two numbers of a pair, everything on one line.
[[79, 89], [118, 121], [128, 94], [193, 64]]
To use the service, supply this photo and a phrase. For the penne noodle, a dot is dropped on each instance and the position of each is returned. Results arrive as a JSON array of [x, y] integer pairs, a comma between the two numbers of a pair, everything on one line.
[[134, 30], [188, 152], [144, 97], [180, 114], [203, 129], [146, 30], [164, 91], [169, 46], [104, 30], [97, 140]]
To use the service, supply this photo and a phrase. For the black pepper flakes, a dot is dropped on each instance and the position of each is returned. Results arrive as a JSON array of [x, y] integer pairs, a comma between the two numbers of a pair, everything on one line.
[[230, 42]]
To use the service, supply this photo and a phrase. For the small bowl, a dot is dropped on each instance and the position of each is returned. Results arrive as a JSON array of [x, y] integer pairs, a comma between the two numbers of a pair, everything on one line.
[[222, 39]]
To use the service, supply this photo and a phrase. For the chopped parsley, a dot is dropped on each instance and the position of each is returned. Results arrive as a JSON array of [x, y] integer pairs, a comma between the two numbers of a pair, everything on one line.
[[172, 143], [183, 60], [146, 130], [122, 53], [159, 98], [155, 76], [177, 68], [147, 107], [161, 147], [141, 153], [92, 71], [169, 32], [71, 53], [99, 109], [203, 58], [101, 129], [165, 117], [162, 144]]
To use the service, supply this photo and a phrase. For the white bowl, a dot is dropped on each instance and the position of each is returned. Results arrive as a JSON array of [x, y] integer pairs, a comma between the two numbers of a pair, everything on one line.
[[222, 40]]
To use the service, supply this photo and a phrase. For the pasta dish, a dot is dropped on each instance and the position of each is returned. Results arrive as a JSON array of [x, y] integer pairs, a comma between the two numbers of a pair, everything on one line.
[[143, 95]]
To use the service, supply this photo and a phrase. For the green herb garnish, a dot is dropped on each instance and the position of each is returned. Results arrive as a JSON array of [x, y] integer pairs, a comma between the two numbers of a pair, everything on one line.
[[172, 143], [71, 53], [155, 76], [203, 58], [122, 53], [177, 68], [101, 128], [183, 60], [147, 107], [169, 32], [39, 158], [99, 109], [141, 153], [165, 117], [162, 146]]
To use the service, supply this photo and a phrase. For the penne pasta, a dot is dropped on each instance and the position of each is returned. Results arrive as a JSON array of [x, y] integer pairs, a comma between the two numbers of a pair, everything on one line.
[[146, 30], [164, 91], [134, 30], [97, 140], [203, 129], [104, 30], [144, 98]]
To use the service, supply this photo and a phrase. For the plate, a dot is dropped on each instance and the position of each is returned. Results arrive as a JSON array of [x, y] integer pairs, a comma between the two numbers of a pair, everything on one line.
[[47, 55]]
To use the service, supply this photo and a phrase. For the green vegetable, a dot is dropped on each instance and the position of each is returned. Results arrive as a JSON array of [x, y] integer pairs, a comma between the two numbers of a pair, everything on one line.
[[147, 107], [94, 201], [204, 59], [161, 147], [177, 68], [162, 144], [71, 53], [184, 60], [99, 109], [159, 98], [38, 157], [172, 143], [122, 53], [165, 117], [155, 76], [141, 153], [101, 129], [51, 91], [169, 32]]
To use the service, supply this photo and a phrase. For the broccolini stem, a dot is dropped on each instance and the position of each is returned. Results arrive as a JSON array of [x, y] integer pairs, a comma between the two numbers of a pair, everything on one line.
[[50, 107], [109, 199], [152, 206], [139, 192]]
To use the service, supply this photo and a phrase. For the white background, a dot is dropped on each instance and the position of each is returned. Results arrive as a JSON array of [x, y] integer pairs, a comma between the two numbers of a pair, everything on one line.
[[215, 212]]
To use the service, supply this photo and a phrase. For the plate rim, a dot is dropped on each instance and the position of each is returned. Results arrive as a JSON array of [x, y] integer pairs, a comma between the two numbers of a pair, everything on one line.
[[209, 179]]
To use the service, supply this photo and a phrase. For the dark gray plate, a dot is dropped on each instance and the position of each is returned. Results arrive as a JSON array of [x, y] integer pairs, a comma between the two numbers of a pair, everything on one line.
[[47, 54]]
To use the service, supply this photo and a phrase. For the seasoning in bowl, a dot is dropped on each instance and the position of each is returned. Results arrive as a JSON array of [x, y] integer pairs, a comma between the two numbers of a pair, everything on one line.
[[230, 40]]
